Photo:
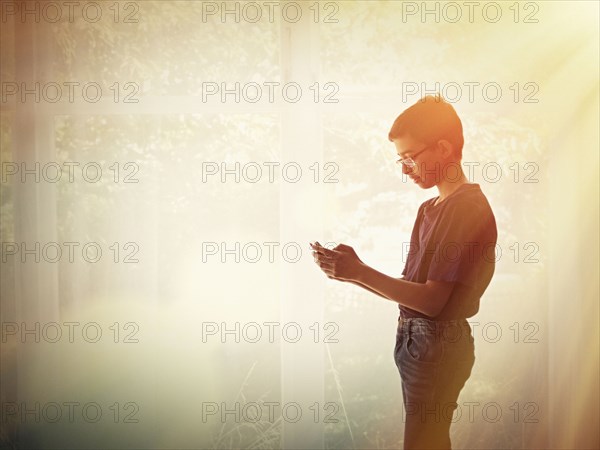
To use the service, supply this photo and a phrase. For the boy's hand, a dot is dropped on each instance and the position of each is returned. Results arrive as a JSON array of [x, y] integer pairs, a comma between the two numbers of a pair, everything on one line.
[[342, 263]]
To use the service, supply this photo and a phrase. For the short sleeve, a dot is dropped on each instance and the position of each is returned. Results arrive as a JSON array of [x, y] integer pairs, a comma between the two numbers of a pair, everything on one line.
[[414, 239], [464, 246]]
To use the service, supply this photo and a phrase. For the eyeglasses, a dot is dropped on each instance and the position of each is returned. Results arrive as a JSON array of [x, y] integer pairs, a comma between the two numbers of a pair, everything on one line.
[[410, 162]]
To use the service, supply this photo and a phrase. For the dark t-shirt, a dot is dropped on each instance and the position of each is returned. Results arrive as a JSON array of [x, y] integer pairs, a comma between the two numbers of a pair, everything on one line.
[[454, 241]]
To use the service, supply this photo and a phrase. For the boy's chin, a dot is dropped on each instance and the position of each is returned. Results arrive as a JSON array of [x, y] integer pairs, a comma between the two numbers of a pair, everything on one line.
[[422, 183]]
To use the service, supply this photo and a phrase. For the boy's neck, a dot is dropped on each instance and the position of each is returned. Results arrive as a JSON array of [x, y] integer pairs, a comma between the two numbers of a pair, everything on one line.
[[446, 187]]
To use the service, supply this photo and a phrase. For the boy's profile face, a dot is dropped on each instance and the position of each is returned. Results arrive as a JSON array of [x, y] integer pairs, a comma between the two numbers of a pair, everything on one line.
[[428, 159]]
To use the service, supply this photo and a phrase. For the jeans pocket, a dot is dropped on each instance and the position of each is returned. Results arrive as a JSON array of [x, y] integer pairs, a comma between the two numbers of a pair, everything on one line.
[[398, 346], [424, 348]]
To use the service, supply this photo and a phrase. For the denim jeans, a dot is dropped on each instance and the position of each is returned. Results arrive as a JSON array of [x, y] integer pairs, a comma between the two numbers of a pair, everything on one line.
[[434, 359]]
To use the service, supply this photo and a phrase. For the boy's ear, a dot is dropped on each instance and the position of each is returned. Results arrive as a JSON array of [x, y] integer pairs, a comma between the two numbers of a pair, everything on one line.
[[447, 148]]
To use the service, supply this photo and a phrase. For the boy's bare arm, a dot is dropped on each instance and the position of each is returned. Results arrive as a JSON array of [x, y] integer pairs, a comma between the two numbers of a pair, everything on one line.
[[371, 290], [428, 298], [342, 263]]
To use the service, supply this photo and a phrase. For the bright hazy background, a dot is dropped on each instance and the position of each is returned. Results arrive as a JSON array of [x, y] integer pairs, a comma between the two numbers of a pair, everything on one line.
[[163, 285]]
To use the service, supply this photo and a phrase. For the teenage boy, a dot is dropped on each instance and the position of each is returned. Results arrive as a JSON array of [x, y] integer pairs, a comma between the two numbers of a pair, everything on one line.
[[450, 263]]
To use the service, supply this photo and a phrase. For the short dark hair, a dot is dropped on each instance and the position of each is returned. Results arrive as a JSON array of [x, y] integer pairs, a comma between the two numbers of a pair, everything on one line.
[[429, 120]]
